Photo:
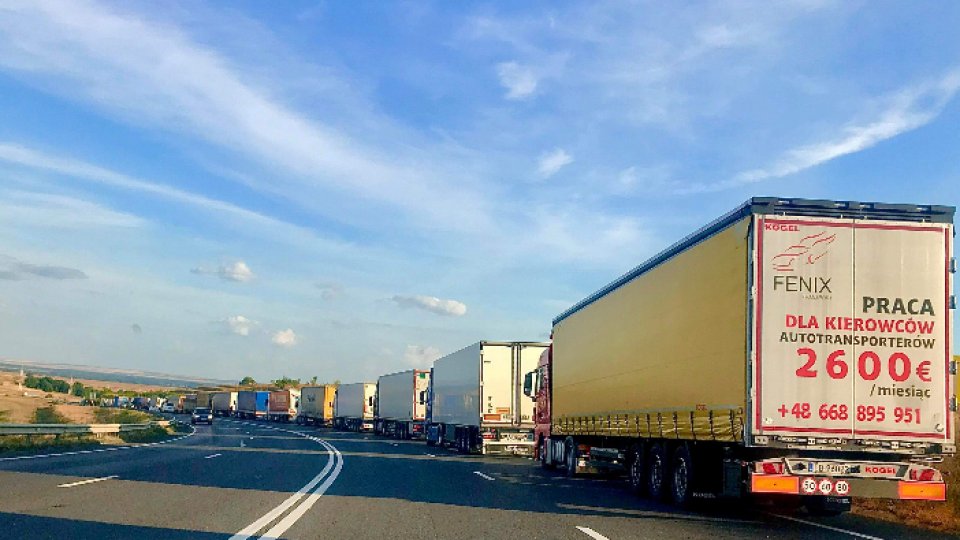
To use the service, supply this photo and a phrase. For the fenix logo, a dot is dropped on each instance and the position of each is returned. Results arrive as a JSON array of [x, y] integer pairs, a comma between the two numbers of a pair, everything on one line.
[[808, 250]]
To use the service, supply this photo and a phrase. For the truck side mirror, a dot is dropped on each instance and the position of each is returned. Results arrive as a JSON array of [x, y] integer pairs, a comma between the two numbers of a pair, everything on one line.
[[528, 385]]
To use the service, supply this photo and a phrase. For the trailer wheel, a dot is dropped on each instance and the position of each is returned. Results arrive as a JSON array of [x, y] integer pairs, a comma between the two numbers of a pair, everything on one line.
[[637, 470], [681, 485], [571, 457], [656, 472]]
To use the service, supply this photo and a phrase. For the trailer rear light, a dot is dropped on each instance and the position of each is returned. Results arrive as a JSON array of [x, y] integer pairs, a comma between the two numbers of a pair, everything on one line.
[[926, 491], [489, 435], [774, 484], [772, 467], [923, 475]]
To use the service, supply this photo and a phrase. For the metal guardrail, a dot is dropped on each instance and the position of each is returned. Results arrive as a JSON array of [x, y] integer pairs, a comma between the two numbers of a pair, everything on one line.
[[76, 429]]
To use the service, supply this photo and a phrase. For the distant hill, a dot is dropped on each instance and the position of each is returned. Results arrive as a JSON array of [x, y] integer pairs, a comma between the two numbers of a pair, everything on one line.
[[108, 374]]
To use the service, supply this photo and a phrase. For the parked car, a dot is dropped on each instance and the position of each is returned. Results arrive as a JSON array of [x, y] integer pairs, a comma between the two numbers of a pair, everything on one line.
[[202, 415]]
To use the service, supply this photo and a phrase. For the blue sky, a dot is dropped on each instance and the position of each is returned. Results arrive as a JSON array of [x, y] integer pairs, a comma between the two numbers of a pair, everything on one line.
[[347, 189]]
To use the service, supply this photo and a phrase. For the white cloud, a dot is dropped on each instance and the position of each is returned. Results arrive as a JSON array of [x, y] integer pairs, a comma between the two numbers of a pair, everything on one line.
[[235, 271], [240, 325], [520, 81], [551, 162], [419, 356], [432, 304], [284, 338]]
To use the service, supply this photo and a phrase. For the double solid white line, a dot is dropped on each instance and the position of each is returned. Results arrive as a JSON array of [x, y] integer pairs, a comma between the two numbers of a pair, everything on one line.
[[310, 491]]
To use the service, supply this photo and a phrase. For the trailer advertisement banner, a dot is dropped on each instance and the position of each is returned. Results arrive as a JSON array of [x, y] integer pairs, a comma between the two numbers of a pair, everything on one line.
[[851, 334]]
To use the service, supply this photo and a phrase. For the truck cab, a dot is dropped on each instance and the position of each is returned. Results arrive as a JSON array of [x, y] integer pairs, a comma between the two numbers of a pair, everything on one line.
[[536, 386]]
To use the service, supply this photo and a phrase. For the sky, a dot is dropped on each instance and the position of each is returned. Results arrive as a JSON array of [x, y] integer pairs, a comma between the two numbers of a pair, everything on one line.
[[348, 189]]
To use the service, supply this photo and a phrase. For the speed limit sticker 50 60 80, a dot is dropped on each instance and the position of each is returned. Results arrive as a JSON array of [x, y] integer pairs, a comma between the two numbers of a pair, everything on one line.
[[852, 335]]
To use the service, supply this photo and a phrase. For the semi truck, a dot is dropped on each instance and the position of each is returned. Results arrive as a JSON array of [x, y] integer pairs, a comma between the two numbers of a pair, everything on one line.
[[223, 403], [792, 348], [477, 404], [402, 404], [316, 405], [189, 403], [252, 403], [354, 406], [204, 397], [283, 404]]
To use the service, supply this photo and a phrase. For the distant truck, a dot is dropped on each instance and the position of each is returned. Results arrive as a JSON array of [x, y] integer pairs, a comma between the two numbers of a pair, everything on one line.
[[402, 404], [140, 402], [283, 404], [354, 406], [177, 401], [204, 397], [252, 403], [477, 404], [316, 405], [792, 348], [189, 403], [223, 403]]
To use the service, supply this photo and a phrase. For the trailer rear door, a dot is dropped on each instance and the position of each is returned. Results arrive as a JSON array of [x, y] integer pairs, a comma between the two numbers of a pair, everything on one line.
[[851, 335]]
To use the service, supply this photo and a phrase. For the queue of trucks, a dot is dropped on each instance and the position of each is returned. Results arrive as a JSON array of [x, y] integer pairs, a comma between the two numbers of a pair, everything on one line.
[[790, 349]]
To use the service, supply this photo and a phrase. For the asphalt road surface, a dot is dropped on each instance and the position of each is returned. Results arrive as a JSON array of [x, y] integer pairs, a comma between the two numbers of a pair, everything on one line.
[[251, 479]]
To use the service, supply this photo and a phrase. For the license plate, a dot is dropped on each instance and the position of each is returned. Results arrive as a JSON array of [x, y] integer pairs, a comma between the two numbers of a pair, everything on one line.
[[829, 468]]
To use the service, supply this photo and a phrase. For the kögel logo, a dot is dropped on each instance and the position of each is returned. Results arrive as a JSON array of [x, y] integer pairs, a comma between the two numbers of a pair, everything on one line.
[[880, 469], [808, 250]]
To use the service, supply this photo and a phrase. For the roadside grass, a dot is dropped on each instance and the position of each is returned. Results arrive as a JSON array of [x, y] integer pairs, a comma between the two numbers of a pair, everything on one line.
[[120, 416], [153, 434], [26, 443], [49, 415], [4, 417]]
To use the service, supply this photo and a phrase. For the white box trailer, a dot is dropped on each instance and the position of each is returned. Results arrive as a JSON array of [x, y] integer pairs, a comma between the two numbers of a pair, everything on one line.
[[354, 406], [477, 398], [224, 403], [402, 404]]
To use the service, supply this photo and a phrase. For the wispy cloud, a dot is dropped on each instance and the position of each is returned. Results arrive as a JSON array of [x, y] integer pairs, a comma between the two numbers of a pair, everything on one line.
[[14, 270], [420, 356], [234, 271], [284, 338], [330, 291], [173, 82], [519, 81], [47, 210], [906, 110], [432, 304], [551, 162]]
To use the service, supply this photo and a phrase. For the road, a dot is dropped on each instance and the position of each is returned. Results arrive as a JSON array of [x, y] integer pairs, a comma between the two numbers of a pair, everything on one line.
[[245, 479]]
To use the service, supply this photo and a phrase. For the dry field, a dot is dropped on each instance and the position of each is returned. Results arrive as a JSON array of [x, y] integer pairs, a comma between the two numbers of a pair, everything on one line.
[[17, 406]]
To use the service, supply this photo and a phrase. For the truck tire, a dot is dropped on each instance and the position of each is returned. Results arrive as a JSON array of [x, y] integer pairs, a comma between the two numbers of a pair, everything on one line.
[[656, 472], [681, 478], [570, 458], [542, 450], [637, 470]]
